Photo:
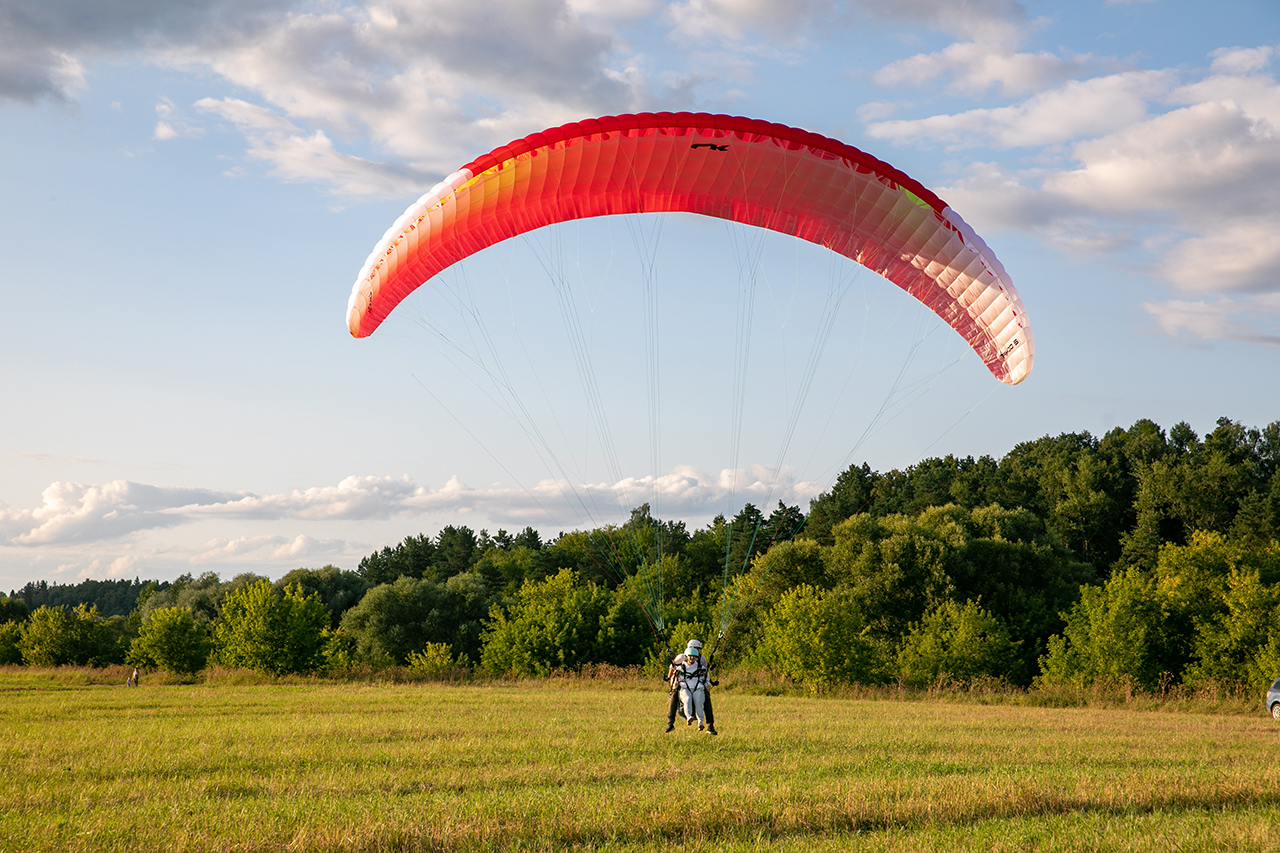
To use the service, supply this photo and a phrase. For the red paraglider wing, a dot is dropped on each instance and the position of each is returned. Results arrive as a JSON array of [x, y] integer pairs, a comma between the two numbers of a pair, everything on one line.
[[740, 169]]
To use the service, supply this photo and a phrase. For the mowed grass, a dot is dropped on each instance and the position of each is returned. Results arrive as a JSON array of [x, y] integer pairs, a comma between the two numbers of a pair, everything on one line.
[[553, 766]]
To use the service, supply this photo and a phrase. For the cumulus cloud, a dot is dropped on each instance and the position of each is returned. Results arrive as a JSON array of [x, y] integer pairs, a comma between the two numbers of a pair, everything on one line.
[[731, 19], [734, 19], [977, 66], [1241, 60], [1239, 255], [170, 124], [268, 549], [111, 567], [626, 10], [74, 512], [425, 79], [1202, 162], [43, 45], [428, 82], [1075, 109], [1213, 169], [295, 155], [684, 490], [996, 21], [29, 73], [78, 513], [1242, 320], [120, 567], [352, 498], [1183, 171]]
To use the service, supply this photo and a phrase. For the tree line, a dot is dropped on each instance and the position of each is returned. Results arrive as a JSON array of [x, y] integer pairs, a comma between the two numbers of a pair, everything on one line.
[[1143, 554], [111, 597]]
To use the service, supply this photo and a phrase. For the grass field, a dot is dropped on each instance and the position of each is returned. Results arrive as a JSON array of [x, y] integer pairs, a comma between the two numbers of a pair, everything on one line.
[[325, 766]]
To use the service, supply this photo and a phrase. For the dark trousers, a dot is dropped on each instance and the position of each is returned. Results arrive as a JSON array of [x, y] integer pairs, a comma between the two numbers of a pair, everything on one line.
[[675, 703]]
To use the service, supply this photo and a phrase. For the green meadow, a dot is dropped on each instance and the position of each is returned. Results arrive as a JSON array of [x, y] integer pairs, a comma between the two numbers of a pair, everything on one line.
[[564, 764]]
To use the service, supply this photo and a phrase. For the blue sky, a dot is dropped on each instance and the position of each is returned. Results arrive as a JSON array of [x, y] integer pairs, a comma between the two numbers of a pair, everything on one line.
[[188, 196]]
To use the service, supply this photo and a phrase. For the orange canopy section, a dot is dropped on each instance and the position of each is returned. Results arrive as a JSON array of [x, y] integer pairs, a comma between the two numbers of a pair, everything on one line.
[[741, 169]]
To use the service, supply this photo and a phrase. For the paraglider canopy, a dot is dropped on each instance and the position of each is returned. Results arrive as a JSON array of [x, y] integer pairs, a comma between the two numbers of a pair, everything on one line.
[[740, 169]]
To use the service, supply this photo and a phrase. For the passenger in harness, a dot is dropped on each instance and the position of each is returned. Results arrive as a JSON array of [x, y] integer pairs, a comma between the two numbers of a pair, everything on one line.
[[690, 681]]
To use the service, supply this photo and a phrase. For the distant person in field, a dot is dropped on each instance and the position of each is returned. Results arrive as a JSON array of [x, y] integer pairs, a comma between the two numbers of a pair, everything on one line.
[[133, 679], [690, 681]]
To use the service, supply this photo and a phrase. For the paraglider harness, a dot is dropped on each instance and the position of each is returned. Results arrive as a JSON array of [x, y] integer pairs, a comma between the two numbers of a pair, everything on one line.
[[672, 679]]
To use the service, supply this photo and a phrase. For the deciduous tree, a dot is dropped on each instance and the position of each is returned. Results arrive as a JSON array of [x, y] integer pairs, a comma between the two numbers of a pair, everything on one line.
[[960, 641], [272, 633], [171, 639], [57, 636], [818, 637], [555, 624]]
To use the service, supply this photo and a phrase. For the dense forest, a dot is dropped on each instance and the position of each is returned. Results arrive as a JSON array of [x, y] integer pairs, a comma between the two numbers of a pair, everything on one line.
[[1140, 555]]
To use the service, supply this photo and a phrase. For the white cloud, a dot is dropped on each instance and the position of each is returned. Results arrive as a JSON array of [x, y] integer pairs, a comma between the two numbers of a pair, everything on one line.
[[430, 82], [352, 498], [267, 549], [1076, 109], [171, 125], [297, 156], [30, 72], [123, 529], [1239, 255], [978, 66], [1241, 60], [626, 10], [990, 20], [122, 567], [1210, 168], [1220, 319], [73, 513], [1201, 162], [683, 491], [999, 21], [874, 111], [731, 19], [44, 46], [1257, 95]]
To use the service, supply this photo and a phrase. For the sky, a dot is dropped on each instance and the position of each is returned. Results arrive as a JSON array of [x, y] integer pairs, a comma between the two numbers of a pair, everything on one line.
[[188, 191]]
